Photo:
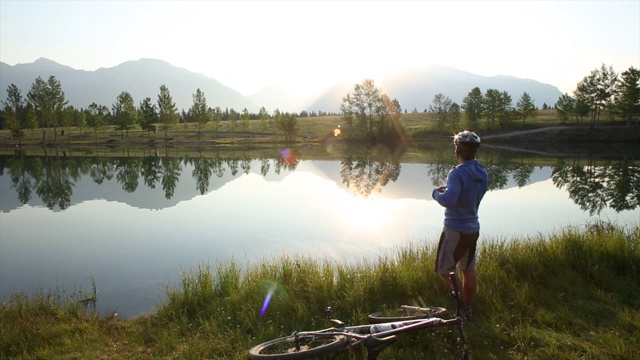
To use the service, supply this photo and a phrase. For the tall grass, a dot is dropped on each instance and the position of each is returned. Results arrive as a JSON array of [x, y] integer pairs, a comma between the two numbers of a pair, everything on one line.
[[573, 295]]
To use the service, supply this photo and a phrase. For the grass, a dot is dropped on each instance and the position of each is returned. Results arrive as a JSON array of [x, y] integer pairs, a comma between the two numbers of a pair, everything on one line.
[[572, 295], [315, 141], [312, 129]]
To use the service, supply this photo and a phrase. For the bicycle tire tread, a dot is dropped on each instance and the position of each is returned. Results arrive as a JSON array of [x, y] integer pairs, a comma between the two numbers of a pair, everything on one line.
[[256, 352]]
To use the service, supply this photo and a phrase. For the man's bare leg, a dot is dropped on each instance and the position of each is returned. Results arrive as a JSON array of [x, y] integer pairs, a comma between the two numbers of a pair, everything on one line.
[[469, 286]]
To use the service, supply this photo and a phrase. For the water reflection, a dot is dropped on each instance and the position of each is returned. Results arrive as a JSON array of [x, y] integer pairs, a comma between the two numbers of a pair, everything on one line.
[[364, 171], [133, 223], [595, 187]]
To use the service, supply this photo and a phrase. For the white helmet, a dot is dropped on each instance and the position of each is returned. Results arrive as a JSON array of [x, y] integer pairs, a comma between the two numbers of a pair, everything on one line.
[[468, 138]]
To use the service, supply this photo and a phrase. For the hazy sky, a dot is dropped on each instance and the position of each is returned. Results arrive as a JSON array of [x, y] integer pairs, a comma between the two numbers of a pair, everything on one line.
[[303, 45]]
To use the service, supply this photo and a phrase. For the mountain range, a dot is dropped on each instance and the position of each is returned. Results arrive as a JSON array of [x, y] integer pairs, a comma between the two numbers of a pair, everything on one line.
[[414, 88]]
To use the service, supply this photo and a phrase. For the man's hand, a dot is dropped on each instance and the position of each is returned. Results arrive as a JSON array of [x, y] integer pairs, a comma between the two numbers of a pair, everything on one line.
[[441, 189]]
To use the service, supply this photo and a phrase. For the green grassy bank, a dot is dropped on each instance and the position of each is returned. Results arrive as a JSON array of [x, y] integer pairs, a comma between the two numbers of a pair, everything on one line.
[[573, 295], [311, 130]]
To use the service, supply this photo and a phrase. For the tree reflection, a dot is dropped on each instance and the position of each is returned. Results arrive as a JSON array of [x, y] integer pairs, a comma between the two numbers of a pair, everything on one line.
[[265, 165], [364, 171], [438, 173], [218, 166], [101, 170], [24, 173], [594, 188], [367, 169], [202, 172], [522, 174], [128, 173], [171, 175], [55, 185], [151, 171]]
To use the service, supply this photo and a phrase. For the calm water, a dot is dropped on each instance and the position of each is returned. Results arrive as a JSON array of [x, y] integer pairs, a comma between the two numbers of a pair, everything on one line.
[[133, 224]]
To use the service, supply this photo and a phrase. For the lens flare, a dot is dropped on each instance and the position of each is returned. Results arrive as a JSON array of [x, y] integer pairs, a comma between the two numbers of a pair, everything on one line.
[[288, 156], [267, 299]]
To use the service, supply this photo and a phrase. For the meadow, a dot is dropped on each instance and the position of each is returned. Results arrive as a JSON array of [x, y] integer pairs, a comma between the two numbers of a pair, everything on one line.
[[311, 130], [572, 295]]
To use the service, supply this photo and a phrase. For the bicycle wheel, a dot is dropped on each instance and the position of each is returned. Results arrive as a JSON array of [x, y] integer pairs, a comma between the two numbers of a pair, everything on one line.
[[406, 313], [309, 346]]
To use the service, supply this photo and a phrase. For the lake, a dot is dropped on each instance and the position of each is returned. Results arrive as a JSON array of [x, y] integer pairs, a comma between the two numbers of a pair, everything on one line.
[[133, 223]]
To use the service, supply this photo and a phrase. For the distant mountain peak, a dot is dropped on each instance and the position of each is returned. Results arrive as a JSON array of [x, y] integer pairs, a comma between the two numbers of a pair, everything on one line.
[[45, 64], [141, 78], [413, 88], [44, 60]]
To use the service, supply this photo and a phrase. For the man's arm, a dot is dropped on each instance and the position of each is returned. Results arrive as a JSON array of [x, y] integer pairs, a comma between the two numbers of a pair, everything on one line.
[[448, 196]]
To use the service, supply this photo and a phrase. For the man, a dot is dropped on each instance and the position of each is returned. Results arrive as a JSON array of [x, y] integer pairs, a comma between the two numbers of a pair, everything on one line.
[[466, 185]]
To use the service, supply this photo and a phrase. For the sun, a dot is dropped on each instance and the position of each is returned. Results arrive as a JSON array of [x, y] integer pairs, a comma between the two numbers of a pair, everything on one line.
[[359, 213]]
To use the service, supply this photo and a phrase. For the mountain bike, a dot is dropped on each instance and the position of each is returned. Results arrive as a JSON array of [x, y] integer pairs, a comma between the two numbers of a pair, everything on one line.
[[374, 336]]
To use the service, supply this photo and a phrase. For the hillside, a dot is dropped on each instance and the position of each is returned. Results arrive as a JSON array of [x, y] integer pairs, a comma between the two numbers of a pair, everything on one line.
[[141, 79]]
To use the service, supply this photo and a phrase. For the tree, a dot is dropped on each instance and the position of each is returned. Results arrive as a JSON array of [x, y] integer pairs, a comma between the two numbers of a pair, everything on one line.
[[80, 120], [526, 107], [628, 95], [472, 105], [216, 116], [565, 107], [233, 119], [598, 90], [506, 109], [364, 104], [15, 112], [288, 124], [58, 102], [497, 107], [124, 113], [37, 96], [97, 117], [167, 111], [66, 119], [244, 120], [447, 112], [264, 117], [367, 114], [199, 111], [31, 118], [147, 115], [48, 101], [396, 132]]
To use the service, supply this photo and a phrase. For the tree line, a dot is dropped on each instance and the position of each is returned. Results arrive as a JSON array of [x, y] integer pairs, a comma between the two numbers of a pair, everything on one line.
[[603, 91], [368, 113], [46, 107]]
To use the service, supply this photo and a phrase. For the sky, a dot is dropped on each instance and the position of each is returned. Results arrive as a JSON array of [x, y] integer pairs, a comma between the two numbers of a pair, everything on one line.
[[303, 46]]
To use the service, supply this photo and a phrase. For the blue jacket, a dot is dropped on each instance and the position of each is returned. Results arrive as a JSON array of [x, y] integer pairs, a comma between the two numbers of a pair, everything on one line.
[[466, 185]]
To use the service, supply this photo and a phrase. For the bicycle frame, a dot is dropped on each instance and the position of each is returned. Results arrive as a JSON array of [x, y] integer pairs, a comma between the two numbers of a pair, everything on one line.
[[375, 337]]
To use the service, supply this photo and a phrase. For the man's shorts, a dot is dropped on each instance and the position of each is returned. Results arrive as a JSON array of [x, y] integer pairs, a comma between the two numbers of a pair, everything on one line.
[[455, 248]]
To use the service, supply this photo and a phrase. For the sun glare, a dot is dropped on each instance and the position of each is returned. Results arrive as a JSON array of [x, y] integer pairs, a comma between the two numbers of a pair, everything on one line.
[[361, 213]]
